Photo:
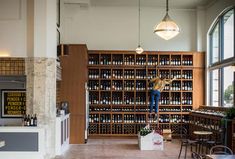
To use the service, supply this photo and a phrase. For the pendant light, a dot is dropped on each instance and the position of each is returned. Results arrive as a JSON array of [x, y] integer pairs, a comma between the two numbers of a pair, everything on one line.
[[139, 49], [167, 28]]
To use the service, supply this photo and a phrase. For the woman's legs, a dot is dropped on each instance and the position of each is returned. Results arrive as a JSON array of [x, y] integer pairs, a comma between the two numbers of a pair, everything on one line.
[[152, 95], [157, 97]]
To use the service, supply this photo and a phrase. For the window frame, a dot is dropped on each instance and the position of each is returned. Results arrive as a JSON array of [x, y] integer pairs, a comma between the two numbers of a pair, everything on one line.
[[221, 63]]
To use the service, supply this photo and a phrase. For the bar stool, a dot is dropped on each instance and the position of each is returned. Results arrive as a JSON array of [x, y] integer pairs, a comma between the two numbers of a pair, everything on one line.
[[202, 139], [221, 149], [196, 155], [185, 141]]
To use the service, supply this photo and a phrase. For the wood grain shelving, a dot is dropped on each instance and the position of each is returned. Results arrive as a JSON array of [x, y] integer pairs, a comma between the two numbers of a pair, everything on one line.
[[119, 89]]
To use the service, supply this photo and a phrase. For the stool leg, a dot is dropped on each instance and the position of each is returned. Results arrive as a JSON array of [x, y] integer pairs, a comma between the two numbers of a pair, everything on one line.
[[180, 150], [185, 151]]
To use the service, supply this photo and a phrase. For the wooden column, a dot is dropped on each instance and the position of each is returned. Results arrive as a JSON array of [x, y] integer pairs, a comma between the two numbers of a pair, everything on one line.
[[74, 77]]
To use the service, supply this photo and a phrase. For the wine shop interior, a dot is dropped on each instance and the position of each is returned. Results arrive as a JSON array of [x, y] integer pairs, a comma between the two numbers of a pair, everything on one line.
[[117, 79]]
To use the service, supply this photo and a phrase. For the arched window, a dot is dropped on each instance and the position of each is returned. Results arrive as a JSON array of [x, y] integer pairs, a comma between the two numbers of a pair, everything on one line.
[[221, 61]]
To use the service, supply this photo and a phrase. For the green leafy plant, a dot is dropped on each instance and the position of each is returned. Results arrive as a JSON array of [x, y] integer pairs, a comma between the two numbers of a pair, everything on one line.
[[230, 113], [145, 131]]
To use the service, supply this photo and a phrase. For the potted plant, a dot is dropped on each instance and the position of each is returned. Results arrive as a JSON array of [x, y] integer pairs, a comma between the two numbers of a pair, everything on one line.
[[230, 113]]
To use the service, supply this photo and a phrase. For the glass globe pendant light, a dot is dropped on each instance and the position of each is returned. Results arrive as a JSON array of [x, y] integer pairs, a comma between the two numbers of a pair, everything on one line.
[[167, 28], [139, 49]]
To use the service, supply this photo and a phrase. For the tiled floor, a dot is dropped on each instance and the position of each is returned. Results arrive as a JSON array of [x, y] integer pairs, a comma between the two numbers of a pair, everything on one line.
[[120, 149]]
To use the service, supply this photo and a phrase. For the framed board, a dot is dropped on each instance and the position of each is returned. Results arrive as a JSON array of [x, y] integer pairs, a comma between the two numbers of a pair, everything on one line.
[[13, 103]]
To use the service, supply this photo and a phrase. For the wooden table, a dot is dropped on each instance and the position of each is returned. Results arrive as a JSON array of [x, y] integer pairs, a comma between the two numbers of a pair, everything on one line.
[[202, 132], [220, 156]]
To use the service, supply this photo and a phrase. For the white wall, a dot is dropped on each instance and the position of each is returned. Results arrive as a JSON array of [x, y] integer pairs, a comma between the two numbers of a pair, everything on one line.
[[13, 27], [116, 27], [201, 32], [16, 37], [45, 28]]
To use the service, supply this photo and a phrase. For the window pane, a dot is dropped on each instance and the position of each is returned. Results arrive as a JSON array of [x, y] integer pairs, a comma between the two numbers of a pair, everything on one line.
[[228, 84], [228, 31], [215, 88], [215, 44]]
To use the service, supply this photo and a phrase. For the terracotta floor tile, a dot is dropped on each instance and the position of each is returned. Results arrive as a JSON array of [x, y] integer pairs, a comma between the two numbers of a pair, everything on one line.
[[121, 149]]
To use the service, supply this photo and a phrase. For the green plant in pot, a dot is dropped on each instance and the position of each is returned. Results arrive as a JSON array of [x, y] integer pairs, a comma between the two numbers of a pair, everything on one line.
[[230, 113]]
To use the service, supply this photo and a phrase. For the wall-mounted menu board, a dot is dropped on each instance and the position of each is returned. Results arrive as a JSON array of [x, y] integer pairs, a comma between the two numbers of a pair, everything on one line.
[[13, 103]]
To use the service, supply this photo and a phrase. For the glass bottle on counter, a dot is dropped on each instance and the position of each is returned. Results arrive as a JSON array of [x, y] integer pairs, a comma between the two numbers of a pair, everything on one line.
[[29, 120], [35, 120]]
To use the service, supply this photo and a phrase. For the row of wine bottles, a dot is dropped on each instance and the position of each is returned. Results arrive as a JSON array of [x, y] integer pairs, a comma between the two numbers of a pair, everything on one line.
[[117, 129], [123, 109], [138, 85], [140, 60], [138, 118], [138, 74], [210, 112], [29, 120], [141, 100]]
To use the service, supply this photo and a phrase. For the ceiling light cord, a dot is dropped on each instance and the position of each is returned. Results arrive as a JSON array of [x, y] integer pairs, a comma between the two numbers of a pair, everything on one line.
[[167, 9], [139, 26], [139, 49]]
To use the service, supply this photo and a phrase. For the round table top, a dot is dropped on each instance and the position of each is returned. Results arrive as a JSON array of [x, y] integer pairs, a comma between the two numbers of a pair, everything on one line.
[[202, 132], [220, 156]]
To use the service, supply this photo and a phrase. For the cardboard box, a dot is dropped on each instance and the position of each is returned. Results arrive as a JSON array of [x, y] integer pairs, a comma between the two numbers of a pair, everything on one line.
[[152, 141], [167, 134]]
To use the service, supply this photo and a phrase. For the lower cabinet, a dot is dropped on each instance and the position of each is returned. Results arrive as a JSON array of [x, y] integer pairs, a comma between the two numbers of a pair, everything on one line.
[[62, 133]]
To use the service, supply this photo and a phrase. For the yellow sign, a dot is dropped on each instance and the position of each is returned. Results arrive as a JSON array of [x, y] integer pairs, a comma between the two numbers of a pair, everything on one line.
[[13, 103]]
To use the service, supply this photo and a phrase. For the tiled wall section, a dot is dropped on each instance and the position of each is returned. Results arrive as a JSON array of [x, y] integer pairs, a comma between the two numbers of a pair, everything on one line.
[[12, 66], [58, 91]]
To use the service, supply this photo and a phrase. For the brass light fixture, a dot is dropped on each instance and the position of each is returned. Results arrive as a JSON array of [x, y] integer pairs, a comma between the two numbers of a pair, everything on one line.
[[139, 49], [167, 28]]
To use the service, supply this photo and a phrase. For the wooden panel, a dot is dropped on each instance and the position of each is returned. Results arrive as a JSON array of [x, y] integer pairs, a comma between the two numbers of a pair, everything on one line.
[[199, 59], [74, 76], [199, 78], [198, 88], [77, 127]]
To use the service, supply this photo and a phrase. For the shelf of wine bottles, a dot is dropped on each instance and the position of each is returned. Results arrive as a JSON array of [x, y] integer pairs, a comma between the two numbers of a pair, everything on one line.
[[136, 118], [130, 123], [140, 60], [119, 85], [139, 98]]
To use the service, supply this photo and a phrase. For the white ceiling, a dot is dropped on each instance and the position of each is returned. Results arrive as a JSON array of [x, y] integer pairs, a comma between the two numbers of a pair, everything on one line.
[[178, 4]]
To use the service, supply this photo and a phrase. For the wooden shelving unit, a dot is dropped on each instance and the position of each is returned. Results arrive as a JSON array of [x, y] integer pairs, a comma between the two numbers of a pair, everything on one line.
[[119, 90]]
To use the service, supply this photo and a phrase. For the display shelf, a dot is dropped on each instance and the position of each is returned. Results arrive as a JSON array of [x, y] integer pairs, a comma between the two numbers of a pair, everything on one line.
[[119, 82], [213, 119]]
